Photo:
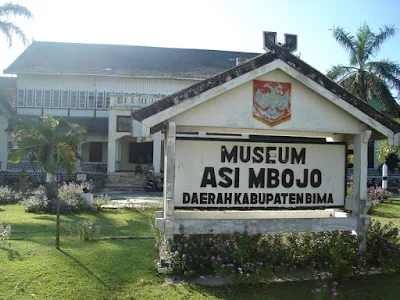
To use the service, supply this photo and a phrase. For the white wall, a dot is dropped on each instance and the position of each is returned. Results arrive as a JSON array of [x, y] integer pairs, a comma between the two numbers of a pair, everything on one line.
[[103, 83], [309, 111]]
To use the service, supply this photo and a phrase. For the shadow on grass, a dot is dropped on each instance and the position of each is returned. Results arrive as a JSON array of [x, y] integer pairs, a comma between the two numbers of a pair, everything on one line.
[[11, 253], [84, 267], [385, 214]]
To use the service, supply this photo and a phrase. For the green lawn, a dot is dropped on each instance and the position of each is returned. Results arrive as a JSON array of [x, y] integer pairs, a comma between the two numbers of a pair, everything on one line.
[[387, 212], [123, 269]]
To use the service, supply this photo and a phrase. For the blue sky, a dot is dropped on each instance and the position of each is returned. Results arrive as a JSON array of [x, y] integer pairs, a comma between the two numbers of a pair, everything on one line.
[[207, 24]]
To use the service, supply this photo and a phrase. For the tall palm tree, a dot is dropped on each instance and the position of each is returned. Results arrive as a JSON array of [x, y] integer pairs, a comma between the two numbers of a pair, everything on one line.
[[7, 27], [365, 77], [53, 144]]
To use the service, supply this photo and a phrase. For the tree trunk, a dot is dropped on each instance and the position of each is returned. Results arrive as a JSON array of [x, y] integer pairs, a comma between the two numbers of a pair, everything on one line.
[[363, 87], [52, 194], [58, 225]]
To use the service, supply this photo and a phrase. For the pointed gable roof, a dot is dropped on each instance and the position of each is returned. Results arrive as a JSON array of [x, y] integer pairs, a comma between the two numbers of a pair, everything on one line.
[[291, 63]]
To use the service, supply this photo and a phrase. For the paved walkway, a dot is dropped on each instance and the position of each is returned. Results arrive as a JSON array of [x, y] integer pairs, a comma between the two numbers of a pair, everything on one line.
[[133, 199]]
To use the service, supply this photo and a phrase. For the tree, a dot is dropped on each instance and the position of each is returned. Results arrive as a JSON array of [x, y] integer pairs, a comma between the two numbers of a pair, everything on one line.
[[7, 27], [53, 144], [388, 154], [365, 77]]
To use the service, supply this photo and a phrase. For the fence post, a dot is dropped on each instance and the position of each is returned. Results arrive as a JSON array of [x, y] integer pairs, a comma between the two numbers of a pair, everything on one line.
[[384, 176]]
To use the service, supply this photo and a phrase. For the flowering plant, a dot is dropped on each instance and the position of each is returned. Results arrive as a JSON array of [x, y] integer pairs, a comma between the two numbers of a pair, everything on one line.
[[378, 194], [325, 290], [8, 196], [5, 232]]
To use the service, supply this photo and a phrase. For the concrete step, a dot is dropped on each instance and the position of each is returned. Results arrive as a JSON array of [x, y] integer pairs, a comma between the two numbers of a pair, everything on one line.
[[125, 181]]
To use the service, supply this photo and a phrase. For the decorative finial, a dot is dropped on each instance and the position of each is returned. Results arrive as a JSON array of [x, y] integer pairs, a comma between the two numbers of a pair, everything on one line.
[[270, 39]]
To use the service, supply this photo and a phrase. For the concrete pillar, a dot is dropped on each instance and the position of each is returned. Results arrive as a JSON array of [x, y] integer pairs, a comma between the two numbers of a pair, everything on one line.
[[169, 180], [112, 129], [157, 152], [361, 203], [111, 148]]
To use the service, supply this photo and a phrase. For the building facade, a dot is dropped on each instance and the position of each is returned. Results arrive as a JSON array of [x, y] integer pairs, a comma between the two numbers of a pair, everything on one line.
[[98, 87]]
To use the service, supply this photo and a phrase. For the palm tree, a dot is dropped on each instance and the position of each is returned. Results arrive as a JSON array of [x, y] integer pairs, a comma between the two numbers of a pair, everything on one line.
[[53, 144], [365, 77], [7, 27]]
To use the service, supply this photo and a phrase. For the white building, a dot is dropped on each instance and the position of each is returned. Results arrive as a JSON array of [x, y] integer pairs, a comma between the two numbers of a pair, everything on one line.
[[98, 87]]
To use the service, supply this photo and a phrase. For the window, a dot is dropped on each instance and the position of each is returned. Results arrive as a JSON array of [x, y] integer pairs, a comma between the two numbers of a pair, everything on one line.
[[90, 100], [96, 152], [47, 99], [82, 99], [108, 100], [38, 98], [100, 100], [74, 99], [56, 99], [124, 124], [141, 153], [21, 98], [64, 99], [29, 98]]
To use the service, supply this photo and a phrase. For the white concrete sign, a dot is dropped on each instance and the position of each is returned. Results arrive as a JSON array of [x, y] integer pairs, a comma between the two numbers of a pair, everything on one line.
[[229, 174]]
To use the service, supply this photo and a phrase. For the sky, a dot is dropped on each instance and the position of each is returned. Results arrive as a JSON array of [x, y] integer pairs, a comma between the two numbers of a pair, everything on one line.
[[207, 24]]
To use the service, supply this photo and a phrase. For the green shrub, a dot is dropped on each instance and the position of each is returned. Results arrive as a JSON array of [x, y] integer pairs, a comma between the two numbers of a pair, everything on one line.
[[256, 257], [9, 196], [85, 230], [101, 200], [5, 232], [383, 246], [69, 195], [37, 202]]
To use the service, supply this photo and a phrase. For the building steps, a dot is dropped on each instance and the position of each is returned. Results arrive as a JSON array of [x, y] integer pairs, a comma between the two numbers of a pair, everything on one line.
[[125, 181]]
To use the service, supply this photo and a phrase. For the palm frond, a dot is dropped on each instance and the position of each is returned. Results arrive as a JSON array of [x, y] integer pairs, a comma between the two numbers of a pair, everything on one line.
[[364, 35], [23, 146], [66, 157], [15, 10], [9, 29], [346, 40], [385, 33], [337, 72], [57, 142], [351, 84], [381, 91], [5, 29], [388, 71]]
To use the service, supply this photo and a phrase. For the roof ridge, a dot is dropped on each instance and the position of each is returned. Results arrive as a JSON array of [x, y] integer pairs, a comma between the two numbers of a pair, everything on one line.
[[142, 46]]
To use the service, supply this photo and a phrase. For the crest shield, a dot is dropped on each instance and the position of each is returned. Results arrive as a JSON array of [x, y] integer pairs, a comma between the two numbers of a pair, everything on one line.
[[271, 101]]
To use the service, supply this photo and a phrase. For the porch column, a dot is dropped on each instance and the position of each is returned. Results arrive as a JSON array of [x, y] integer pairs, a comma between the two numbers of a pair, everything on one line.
[[157, 152], [169, 180], [111, 154], [361, 204], [112, 128]]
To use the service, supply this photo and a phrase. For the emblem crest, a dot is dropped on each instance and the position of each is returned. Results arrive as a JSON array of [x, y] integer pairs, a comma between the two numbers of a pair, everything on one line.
[[271, 101]]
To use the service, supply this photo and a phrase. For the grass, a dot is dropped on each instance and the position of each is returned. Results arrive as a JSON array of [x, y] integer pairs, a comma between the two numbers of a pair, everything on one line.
[[387, 212], [123, 269]]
